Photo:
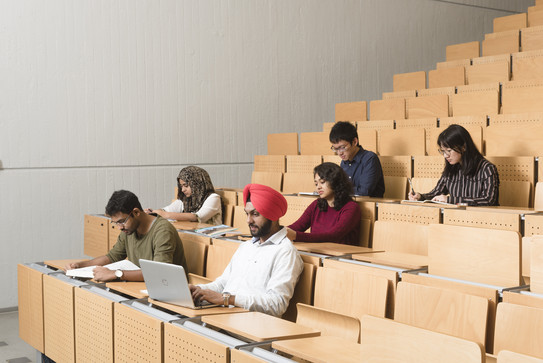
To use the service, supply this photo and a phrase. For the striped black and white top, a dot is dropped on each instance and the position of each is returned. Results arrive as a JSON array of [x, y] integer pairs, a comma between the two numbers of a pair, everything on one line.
[[480, 189]]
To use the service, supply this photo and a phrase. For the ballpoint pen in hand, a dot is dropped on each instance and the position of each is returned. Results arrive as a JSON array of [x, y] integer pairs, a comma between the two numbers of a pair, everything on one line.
[[411, 184]]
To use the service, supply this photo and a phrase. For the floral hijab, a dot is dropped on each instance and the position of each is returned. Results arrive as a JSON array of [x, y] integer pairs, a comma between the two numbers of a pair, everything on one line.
[[199, 182]]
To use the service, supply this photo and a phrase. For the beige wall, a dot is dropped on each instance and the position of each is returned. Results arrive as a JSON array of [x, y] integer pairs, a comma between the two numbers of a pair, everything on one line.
[[99, 95]]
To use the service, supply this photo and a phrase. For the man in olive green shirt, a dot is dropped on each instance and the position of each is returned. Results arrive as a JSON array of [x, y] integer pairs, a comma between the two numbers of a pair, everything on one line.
[[145, 236]]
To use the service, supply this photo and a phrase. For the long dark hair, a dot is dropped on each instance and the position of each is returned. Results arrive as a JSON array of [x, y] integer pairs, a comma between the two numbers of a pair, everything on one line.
[[200, 184], [457, 138], [339, 182]]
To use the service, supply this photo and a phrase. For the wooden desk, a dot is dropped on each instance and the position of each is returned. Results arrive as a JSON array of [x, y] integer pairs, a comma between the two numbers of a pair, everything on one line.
[[429, 204], [395, 259], [189, 226], [129, 288], [332, 249], [60, 264], [259, 327], [191, 313], [321, 349]]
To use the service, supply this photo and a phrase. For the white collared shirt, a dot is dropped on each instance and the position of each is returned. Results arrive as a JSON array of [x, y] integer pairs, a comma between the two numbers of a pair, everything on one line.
[[210, 212], [262, 276]]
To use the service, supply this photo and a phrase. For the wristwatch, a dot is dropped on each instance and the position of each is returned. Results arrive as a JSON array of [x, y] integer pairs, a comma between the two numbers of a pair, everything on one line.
[[119, 274], [226, 299]]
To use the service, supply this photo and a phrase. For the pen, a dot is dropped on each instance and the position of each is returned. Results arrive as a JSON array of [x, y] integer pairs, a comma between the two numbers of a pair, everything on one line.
[[411, 184]]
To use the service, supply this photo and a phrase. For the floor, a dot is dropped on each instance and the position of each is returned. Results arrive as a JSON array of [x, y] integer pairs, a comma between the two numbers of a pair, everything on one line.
[[12, 348]]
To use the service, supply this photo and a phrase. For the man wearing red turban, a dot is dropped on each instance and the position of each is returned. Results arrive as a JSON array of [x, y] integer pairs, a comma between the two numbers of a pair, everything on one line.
[[263, 272]]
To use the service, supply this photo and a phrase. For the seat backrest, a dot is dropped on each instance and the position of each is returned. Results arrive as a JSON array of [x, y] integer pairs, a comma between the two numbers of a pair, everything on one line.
[[302, 163], [501, 43], [519, 329], [296, 207], [528, 65], [303, 293], [486, 256], [195, 249], [496, 68], [403, 237], [385, 340], [446, 77], [239, 220], [509, 22], [402, 142], [275, 163], [441, 310], [428, 106], [515, 193], [219, 254], [395, 187], [538, 199], [351, 111], [409, 81], [391, 109], [409, 213], [462, 51], [396, 165], [272, 179], [506, 356], [424, 185], [283, 144], [298, 183], [350, 293], [475, 103], [315, 143], [522, 96], [532, 38], [514, 140]]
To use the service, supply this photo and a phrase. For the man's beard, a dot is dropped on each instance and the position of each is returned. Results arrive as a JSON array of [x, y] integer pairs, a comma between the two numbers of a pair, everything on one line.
[[264, 230]]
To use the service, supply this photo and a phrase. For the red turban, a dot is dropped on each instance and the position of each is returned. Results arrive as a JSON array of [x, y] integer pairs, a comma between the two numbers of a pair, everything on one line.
[[267, 201]]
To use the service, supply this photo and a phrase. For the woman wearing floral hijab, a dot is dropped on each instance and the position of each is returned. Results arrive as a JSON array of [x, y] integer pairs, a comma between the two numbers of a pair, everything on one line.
[[196, 199]]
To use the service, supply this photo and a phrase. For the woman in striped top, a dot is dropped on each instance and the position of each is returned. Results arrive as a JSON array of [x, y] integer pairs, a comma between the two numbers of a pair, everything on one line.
[[468, 177]]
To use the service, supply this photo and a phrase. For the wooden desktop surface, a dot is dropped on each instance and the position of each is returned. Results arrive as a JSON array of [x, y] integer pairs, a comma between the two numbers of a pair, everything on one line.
[[60, 264], [129, 288], [259, 327], [394, 259], [189, 226], [191, 313], [434, 205], [332, 249], [321, 349]]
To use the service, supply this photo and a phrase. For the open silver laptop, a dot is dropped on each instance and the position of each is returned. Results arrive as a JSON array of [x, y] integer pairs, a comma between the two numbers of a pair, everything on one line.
[[168, 283]]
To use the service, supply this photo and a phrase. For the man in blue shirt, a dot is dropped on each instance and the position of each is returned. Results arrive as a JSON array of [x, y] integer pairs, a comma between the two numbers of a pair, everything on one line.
[[362, 166]]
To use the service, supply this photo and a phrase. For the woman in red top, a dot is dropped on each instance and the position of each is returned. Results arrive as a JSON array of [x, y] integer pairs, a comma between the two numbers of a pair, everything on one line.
[[334, 216]]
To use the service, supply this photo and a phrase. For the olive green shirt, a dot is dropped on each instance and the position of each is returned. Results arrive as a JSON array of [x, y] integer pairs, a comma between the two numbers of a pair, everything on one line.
[[161, 243]]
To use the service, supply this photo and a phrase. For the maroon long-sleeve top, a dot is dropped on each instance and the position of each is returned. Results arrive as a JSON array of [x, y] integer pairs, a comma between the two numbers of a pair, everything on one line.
[[341, 226]]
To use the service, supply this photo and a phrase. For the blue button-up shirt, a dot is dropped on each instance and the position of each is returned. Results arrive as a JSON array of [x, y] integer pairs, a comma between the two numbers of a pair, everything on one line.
[[365, 173]]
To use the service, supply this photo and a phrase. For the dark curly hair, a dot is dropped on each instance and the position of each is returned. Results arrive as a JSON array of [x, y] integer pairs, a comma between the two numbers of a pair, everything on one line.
[[339, 182], [122, 201]]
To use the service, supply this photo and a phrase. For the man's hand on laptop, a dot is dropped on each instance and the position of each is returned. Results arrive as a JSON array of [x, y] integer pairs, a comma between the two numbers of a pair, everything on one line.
[[199, 294]]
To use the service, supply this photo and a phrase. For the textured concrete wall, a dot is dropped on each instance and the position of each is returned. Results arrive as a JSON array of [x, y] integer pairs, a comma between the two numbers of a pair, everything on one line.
[[99, 95]]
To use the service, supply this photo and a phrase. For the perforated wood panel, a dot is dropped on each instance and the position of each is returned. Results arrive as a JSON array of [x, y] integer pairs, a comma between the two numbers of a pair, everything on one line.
[[482, 219], [428, 166], [315, 143], [446, 77], [182, 345], [96, 235], [113, 234], [475, 103], [455, 63], [393, 108], [375, 125], [269, 163], [479, 87], [437, 91], [240, 356], [58, 314], [399, 94], [351, 111], [532, 38], [331, 159], [408, 213], [462, 51], [302, 163], [402, 142], [501, 43], [296, 207], [94, 327], [520, 168], [409, 81], [137, 336], [30, 295], [533, 225], [522, 96], [429, 106], [510, 22], [465, 121], [273, 179], [516, 119], [528, 65], [396, 165]]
